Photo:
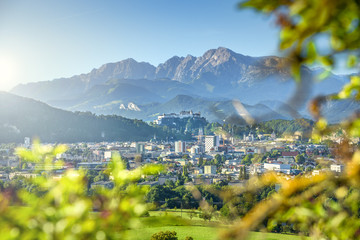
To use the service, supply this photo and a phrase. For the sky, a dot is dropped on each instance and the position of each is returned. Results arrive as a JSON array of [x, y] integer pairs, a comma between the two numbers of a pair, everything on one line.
[[48, 39]]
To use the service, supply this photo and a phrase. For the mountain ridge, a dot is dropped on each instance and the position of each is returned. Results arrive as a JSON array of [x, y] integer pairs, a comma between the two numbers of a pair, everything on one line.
[[217, 74], [183, 69]]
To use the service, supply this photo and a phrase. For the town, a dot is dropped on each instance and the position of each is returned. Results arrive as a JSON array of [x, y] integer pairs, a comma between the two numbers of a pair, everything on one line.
[[208, 159]]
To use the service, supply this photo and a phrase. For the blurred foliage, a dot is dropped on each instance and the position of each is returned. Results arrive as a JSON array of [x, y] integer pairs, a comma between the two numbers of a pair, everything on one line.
[[326, 206], [304, 22], [64, 210]]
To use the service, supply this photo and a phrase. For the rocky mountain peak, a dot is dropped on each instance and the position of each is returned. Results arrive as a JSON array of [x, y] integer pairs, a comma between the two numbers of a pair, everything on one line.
[[168, 68], [219, 55], [127, 69], [217, 73]]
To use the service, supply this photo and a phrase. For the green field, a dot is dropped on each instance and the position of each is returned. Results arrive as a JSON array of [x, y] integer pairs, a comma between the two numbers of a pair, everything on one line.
[[196, 227], [201, 233]]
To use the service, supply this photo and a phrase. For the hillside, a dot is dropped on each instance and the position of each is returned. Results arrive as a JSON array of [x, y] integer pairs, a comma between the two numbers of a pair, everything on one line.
[[22, 117]]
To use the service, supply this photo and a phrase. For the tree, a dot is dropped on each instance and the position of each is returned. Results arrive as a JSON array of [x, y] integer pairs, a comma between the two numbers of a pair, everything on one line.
[[167, 235], [201, 161], [69, 202], [185, 172], [206, 215], [138, 159], [192, 214], [217, 159], [300, 159], [258, 158], [300, 200], [247, 160], [101, 177], [242, 173]]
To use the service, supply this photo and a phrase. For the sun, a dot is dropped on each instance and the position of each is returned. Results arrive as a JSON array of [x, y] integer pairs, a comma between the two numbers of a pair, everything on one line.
[[8, 73]]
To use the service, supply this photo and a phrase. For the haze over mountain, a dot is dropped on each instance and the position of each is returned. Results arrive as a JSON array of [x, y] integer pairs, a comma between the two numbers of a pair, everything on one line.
[[138, 89], [23, 117]]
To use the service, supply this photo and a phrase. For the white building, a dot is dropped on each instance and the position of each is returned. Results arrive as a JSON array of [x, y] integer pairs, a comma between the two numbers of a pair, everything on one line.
[[256, 169], [211, 142], [180, 147], [27, 142], [286, 160], [181, 115], [110, 154], [210, 169], [339, 168], [277, 167]]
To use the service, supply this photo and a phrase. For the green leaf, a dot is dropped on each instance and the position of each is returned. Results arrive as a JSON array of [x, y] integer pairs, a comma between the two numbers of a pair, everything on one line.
[[311, 52], [352, 61], [326, 60]]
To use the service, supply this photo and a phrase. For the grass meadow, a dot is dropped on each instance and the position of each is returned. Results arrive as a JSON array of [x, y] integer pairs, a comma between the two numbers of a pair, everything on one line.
[[195, 227]]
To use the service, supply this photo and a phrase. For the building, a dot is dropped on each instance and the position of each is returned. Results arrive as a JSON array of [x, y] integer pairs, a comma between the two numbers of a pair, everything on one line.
[[197, 149], [211, 142], [198, 171], [4, 176], [98, 155], [163, 179], [171, 116], [148, 183], [339, 168], [260, 150], [185, 120], [108, 155], [27, 142], [210, 169], [289, 154], [256, 169], [286, 160], [201, 180], [102, 184], [25, 174], [180, 147], [277, 167], [92, 165], [140, 148]]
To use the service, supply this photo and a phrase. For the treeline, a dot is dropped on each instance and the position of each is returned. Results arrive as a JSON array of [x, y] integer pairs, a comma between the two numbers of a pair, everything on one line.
[[287, 127], [172, 195], [279, 127]]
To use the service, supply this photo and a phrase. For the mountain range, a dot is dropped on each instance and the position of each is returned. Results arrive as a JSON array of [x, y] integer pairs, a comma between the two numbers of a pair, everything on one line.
[[208, 84]]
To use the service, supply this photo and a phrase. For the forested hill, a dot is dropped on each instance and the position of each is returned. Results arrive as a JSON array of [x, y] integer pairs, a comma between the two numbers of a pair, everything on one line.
[[23, 117], [279, 126], [288, 127]]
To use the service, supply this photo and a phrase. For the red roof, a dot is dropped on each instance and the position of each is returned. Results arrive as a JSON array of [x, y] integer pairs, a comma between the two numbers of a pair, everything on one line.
[[290, 154]]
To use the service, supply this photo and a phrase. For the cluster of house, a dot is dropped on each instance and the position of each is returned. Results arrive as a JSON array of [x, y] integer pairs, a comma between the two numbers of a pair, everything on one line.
[[198, 156]]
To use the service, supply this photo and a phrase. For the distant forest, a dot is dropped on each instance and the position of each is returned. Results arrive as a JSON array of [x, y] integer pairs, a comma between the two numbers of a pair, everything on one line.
[[280, 127]]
